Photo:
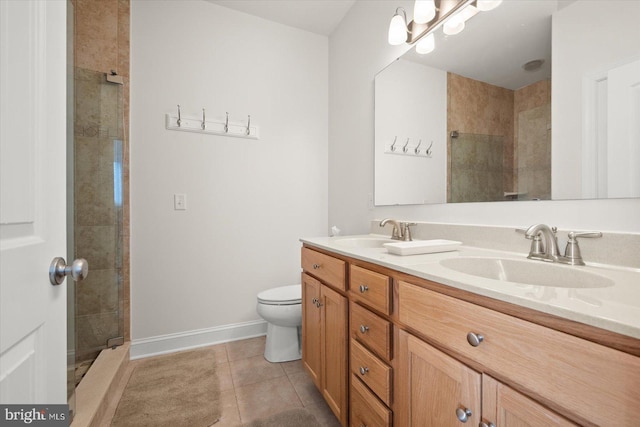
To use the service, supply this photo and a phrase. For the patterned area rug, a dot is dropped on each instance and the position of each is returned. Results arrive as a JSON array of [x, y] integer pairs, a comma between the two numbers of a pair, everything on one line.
[[292, 418], [177, 390]]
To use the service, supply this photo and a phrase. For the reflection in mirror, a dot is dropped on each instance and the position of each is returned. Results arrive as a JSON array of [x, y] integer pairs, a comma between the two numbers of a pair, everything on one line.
[[484, 88], [471, 88]]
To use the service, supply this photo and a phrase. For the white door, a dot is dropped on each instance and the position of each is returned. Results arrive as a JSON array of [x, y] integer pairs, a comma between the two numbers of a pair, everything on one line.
[[624, 131], [33, 200]]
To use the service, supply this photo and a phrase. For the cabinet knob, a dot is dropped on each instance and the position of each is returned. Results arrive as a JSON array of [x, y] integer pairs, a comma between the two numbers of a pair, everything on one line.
[[363, 289], [318, 304], [316, 266], [363, 370], [463, 414], [314, 301], [474, 339], [489, 424], [364, 329]]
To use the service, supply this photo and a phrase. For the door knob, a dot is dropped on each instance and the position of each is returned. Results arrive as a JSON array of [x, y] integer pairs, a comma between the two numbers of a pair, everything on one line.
[[78, 270]]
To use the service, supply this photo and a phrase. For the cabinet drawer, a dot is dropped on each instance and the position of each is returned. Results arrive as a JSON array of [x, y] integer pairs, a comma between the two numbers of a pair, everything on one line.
[[326, 268], [580, 376], [371, 330], [365, 408], [371, 288], [371, 370]]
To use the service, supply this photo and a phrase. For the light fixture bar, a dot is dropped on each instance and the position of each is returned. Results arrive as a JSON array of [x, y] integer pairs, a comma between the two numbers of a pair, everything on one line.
[[444, 10]]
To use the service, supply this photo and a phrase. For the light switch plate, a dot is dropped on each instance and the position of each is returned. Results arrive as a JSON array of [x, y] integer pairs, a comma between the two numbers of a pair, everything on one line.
[[180, 202]]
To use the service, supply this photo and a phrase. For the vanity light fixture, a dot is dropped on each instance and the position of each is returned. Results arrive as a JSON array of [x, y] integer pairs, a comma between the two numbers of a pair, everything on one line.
[[429, 15], [398, 30], [456, 23], [424, 11], [426, 44]]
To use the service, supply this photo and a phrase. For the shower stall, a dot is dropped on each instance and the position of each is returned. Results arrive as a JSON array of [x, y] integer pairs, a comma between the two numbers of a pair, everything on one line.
[[97, 201], [98, 213], [476, 167]]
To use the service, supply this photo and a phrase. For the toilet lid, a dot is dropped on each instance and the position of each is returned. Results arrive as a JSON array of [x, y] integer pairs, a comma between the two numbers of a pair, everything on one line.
[[284, 295]]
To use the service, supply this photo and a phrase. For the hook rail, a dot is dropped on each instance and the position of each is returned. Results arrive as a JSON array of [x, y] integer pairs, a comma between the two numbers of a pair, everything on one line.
[[410, 148], [224, 127]]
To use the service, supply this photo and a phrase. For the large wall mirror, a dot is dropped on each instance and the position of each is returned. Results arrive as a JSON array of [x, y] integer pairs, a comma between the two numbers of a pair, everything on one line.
[[534, 100]]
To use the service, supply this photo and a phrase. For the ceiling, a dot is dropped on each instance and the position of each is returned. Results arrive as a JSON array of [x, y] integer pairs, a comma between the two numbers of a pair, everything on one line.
[[317, 16]]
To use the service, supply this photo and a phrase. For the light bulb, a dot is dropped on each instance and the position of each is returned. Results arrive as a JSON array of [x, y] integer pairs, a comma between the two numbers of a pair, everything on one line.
[[454, 25], [397, 30], [423, 11], [485, 5], [426, 44]]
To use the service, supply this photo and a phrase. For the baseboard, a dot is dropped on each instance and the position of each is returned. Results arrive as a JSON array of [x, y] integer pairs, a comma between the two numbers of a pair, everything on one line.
[[170, 343]]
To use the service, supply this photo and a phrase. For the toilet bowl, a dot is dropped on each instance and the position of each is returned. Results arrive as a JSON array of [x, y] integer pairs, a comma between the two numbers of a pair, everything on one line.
[[282, 309]]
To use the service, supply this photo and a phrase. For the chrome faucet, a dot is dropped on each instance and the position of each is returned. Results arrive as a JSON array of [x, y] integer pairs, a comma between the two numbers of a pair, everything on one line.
[[401, 230], [548, 251]]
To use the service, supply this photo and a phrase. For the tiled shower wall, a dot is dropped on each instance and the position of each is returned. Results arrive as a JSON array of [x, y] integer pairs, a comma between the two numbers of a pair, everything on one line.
[[475, 107], [521, 118], [532, 161], [101, 138]]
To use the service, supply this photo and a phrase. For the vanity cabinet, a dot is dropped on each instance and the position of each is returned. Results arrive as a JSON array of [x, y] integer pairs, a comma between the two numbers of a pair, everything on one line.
[[325, 329], [434, 386], [440, 390], [371, 348], [585, 381], [386, 348]]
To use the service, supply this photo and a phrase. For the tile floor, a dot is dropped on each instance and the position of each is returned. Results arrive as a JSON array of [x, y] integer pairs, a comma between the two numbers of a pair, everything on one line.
[[252, 388]]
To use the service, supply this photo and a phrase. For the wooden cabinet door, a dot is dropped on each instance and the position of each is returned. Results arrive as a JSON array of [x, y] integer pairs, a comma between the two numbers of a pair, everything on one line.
[[311, 328], [434, 386], [334, 352], [505, 407]]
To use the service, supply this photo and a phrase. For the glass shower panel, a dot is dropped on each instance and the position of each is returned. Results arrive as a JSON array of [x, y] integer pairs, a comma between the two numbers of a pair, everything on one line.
[[534, 154], [99, 135], [476, 165]]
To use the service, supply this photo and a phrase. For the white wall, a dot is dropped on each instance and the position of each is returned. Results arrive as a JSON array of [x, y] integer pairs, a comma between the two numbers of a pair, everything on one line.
[[590, 38], [248, 201], [411, 109], [357, 51]]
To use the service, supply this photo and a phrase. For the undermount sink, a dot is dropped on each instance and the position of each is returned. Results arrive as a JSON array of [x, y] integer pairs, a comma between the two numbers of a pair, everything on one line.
[[527, 272], [363, 242]]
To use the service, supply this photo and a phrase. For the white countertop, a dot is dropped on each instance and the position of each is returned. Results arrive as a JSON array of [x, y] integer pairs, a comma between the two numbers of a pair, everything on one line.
[[615, 308]]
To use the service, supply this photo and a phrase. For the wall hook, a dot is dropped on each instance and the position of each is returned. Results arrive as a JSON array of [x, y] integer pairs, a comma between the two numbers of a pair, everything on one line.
[[249, 124], [406, 144], [429, 152], [417, 149], [226, 124], [179, 119], [203, 120], [393, 146]]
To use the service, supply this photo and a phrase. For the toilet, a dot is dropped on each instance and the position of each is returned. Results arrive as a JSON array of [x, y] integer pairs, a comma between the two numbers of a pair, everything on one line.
[[282, 309]]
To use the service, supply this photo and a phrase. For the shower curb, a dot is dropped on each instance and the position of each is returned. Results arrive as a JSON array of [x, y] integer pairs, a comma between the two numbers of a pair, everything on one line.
[[98, 385]]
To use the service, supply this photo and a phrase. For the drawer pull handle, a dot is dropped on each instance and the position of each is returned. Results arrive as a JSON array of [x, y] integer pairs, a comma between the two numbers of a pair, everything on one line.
[[489, 424], [474, 339], [363, 370], [364, 329], [316, 266], [463, 414], [363, 289]]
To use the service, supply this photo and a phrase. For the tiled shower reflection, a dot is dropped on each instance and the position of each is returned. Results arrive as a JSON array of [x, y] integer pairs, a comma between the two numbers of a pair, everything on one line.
[[98, 213], [477, 168]]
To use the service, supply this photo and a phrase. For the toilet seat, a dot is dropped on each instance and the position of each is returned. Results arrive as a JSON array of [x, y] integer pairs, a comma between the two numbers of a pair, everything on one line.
[[284, 295]]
